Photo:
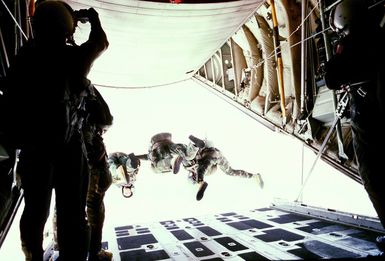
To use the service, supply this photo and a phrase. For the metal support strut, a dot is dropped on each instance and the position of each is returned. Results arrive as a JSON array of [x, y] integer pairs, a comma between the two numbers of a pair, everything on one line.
[[278, 57], [341, 152], [341, 106]]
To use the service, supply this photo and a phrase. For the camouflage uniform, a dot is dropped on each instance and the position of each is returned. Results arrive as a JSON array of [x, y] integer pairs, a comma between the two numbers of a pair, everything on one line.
[[97, 118], [162, 151], [100, 181], [202, 158], [206, 162], [124, 168]]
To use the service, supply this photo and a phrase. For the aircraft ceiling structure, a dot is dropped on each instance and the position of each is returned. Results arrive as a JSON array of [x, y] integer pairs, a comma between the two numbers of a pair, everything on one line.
[[156, 43]]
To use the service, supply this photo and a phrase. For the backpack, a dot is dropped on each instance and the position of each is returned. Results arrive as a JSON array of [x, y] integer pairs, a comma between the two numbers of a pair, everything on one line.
[[96, 108]]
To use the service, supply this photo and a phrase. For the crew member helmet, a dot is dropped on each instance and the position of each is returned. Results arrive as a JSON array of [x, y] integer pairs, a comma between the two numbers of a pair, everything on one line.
[[53, 19], [348, 16]]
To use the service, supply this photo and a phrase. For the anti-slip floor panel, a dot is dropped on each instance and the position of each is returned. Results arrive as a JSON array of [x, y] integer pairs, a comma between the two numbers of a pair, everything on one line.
[[259, 234]]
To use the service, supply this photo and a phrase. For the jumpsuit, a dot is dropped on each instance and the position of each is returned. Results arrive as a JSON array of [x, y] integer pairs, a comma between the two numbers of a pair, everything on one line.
[[45, 83]]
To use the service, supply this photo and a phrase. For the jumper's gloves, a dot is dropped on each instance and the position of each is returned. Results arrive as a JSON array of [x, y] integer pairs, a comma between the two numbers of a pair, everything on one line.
[[86, 15], [81, 16]]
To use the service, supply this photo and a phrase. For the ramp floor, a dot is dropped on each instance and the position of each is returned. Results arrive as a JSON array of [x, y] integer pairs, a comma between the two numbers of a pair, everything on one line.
[[258, 234]]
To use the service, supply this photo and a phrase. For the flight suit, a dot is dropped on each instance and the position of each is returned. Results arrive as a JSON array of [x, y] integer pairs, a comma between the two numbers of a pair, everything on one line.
[[201, 158], [359, 58], [44, 86], [100, 181], [162, 151]]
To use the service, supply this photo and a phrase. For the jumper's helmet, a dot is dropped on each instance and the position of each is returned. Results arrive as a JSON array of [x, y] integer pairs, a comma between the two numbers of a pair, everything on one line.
[[160, 153], [53, 19], [124, 169], [347, 16]]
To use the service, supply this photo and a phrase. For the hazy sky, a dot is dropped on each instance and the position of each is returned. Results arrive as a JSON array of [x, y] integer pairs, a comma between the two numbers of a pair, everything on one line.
[[188, 108]]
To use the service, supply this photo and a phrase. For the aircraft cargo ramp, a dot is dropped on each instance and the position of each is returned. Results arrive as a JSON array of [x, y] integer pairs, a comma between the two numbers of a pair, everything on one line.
[[258, 234]]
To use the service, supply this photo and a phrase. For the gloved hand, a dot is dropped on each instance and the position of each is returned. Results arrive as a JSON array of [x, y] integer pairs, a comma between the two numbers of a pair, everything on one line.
[[86, 15], [81, 16]]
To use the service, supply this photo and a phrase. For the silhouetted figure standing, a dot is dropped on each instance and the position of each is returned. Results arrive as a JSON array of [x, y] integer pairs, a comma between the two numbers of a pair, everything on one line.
[[359, 63], [45, 88], [98, 120]]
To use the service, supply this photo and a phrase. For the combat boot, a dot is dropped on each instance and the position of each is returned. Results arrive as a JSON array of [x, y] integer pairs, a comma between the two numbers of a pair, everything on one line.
[[31, 255], [102, 255], [27, 254], [201, 190], [380, 241], [198, 142], [177, 163], [259, 180]]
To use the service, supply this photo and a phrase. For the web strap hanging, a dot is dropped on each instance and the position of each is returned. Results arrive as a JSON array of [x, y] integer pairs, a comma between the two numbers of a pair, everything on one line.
[[341, 106]]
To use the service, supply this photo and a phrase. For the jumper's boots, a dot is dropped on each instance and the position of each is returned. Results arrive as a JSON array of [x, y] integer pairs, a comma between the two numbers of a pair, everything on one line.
[[259, 180], [177, 163], [30, 254], [201, 190], [102, 255], [198, 142], [380, 241]]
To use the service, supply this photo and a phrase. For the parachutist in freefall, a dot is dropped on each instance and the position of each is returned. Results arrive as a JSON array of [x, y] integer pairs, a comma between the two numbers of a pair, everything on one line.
[[162, 151], [201, 158], [124, 168]]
